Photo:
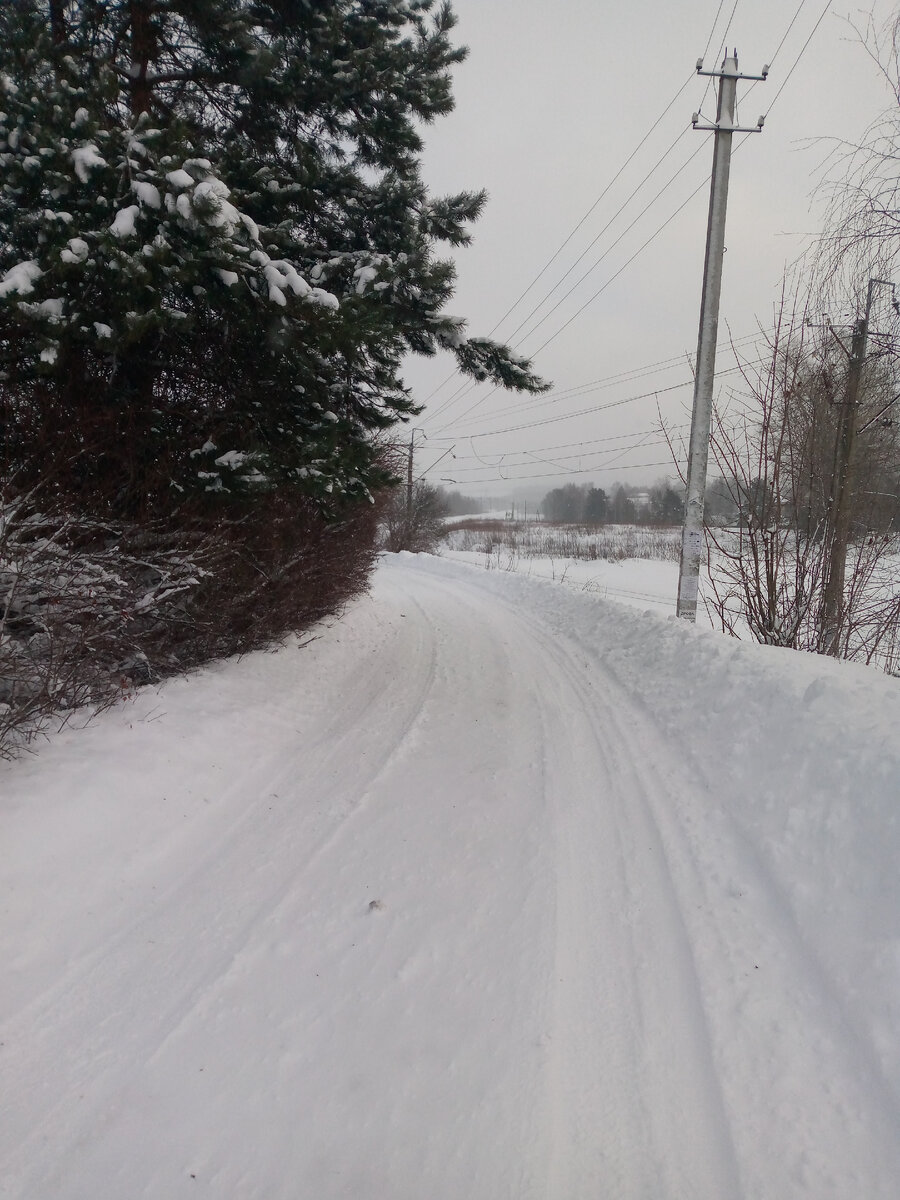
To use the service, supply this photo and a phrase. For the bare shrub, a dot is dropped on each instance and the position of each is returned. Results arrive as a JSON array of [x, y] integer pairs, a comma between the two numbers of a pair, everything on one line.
[[591, 543], [76, 602], [89, 608], [776, 455], [414, 518]]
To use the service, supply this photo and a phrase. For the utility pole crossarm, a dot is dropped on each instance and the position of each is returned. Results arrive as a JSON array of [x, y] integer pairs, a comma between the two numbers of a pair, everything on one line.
[[761, 78], [724, 129]]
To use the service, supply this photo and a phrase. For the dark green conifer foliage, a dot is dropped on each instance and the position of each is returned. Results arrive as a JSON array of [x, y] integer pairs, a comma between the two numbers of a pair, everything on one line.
[[215, 244]]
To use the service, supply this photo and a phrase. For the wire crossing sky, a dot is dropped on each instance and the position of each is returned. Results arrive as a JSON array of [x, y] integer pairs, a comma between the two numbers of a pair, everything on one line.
[[589, 255]]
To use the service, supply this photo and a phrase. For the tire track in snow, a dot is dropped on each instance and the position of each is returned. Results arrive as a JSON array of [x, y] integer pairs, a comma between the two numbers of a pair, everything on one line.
[[76, 1002], [773, 1020], [392, 750], [638, 1108], [794, 1022], [661, 1073]]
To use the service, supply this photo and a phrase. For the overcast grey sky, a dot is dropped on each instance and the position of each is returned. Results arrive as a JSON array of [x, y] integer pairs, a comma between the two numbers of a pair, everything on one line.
[[550, 105]]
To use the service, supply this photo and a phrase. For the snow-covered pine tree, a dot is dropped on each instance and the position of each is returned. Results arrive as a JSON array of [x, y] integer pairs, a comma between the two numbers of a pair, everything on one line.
[[215, 244]]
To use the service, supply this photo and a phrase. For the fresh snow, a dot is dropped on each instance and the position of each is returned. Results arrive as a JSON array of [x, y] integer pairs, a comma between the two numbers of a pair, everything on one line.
[[490, 890], [180, 179], [85, 159], [647, 583], [147, 193], [123, 225], [221, 213], [20, 279], [233, 459], [76, 251]]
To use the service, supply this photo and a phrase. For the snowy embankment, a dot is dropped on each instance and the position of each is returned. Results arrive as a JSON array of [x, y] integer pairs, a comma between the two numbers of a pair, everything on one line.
[[494, 890], [646, 584]]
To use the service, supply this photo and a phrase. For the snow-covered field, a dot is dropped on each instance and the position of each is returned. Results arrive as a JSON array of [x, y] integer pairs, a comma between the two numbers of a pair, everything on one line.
[[634, 565], [493, 889]]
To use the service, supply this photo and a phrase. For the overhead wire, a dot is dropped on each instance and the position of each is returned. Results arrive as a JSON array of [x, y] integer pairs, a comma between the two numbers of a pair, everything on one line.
[[583, 471], [592, 298], [579, 445], [593, 408], [466, 384], [596, 239], [618, 451], [467, 388], [713, 30], [610, 380], [649, 240], [610, 437], [580, 223], [600, 290], [578, 312], [803, 49]]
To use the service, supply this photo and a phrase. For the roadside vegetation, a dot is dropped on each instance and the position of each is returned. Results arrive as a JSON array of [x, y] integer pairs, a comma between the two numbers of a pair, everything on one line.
[[216, 249], [585, 543]]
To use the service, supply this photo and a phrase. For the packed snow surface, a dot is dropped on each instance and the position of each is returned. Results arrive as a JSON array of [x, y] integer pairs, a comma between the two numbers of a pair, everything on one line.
[[489, 891]]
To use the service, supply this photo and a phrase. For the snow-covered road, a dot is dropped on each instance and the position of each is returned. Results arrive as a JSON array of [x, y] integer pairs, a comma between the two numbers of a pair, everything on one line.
[[458, 903]]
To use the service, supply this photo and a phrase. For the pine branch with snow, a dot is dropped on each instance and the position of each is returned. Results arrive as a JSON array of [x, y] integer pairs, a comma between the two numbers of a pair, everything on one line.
[[213, 228]]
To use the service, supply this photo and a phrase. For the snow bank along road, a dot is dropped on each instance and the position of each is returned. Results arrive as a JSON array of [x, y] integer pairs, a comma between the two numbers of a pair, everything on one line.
[[490, 891]]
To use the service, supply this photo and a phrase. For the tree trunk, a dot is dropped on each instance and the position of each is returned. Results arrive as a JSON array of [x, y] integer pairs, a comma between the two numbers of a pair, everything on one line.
[[58, 22], [143, 47]]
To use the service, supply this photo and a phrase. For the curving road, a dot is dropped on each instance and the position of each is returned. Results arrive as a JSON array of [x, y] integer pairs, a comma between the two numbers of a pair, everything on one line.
[[435, 909]]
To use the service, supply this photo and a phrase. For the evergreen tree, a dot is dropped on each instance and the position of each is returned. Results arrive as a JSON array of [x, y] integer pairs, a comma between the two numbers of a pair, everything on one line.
[[595, 506], [215, 243]]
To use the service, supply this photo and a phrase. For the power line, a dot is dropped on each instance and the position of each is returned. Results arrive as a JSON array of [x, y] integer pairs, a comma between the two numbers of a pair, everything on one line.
[[580, 452], [608, 381], [589, 271], [467, 387], [793, 21], [727, 27], [659, 230], [612, 437], [800, 55], [593, 409], [466, 384], [713, 30], [600, 290], [586, 471], [614, 179], [627, 263], [618, 451], [618, 174], [593, 243], [636, 439], [610, 280]]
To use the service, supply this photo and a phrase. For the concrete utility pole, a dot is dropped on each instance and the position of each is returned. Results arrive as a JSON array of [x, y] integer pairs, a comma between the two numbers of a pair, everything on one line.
[[704, 376], [842, 482], [409, 480]]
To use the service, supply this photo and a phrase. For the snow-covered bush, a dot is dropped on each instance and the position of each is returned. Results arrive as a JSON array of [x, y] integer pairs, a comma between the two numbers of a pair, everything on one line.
[[78, 599], [89, 609]]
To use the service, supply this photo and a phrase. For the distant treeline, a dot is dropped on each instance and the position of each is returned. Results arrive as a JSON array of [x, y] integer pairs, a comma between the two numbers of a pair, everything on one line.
[[458, 505], [622, 505]]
